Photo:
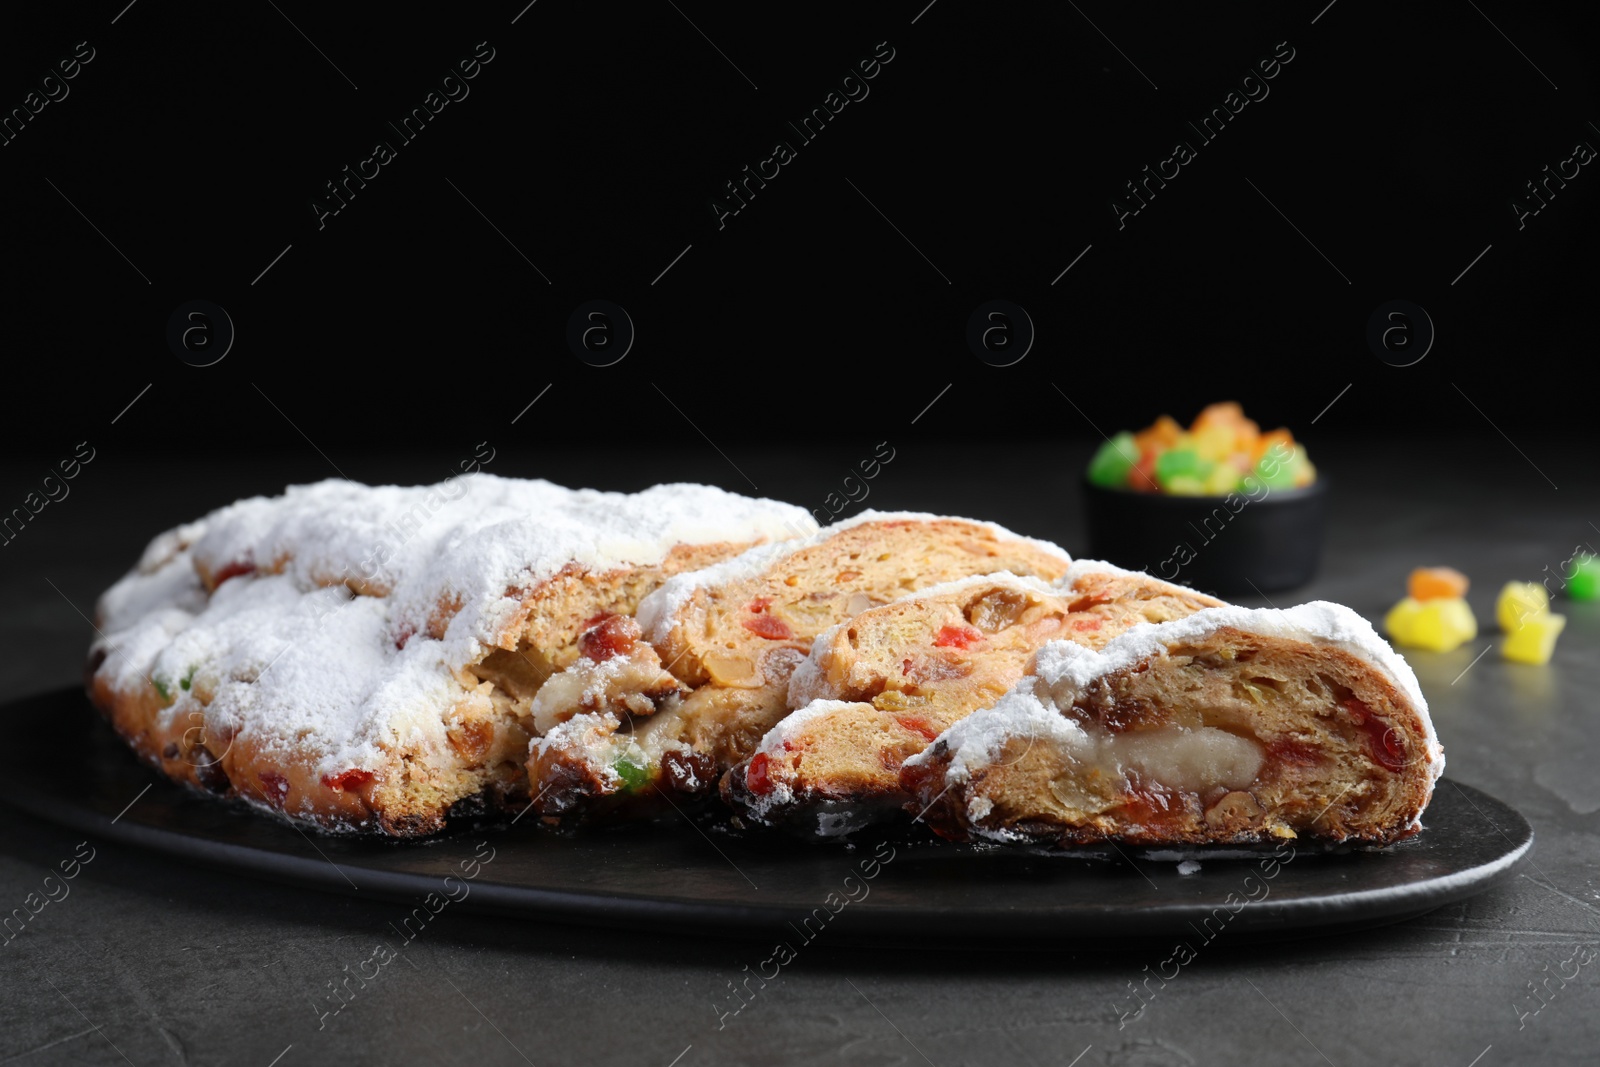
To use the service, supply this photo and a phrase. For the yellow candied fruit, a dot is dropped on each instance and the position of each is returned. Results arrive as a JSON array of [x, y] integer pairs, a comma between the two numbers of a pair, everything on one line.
[[1440, 625], [1535, 640], [1223, 479], [1213, 442], [1401, 617], [1519, 601]]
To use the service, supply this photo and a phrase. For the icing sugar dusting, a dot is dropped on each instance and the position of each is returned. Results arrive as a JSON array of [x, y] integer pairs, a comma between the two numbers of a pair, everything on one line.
[[294, 659]]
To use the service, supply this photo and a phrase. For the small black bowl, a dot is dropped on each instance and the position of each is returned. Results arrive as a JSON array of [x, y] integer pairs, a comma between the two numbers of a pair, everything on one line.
[[1233, 544]]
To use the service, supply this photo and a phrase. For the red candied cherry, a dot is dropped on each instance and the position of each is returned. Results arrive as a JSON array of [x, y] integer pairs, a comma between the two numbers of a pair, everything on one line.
[[917, 725], [962, 637], [232, 570], [756, 776], [768, 626], [348, 781], [615, 635], [1388, 744]]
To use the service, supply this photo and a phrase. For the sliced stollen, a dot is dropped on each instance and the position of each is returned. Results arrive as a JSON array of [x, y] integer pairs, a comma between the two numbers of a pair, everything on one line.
[[365, 657], [1231, 726], [732, 635], [880, 687]]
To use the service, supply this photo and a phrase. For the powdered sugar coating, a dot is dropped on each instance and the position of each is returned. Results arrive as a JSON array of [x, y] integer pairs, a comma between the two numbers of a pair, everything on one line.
[[294, 660], [1318, 620], [658, 611], [977, 740], [1082, 568]]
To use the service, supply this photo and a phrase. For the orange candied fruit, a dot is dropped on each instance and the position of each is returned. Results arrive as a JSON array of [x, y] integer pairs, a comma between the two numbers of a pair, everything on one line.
[[1160, 435], [1263, 444], [1437, 583]]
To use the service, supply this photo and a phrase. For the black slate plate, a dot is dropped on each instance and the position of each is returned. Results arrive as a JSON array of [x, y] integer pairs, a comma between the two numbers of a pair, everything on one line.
[[62, 763]]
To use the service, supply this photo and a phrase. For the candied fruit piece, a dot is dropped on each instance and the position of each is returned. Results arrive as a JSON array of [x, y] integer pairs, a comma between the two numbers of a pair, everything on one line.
[[756, 776], [1213, 442], [1163, 433], [1223, 479], [962, 637], [1304, 472], [918, 725], [1180, 463], [1401, 616], [1519, 601], [348, 781], [1222, 452], [1434, 625], [1266, 443], [1223, 412], [1114, 461], [1143, 475], [1535, 640], [1585, 581], [1245, 435], [1436, 583], [232, 570], [634, 777], [1445, 624], [773, 629], [1276, 468], [615, 635]]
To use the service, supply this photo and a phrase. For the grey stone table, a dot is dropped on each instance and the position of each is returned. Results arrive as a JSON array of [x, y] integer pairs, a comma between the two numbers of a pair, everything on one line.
[[148, 961]]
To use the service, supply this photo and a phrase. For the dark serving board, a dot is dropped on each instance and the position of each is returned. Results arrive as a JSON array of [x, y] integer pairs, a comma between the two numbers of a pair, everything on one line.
[[694, 873]]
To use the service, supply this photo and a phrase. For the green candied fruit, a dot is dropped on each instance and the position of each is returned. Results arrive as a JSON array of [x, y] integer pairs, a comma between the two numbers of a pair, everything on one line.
[[1112, 462], [188, 679], [161, 687], [1585, 581], [1183, 464], [1276, 468], [634, 777], [1185, 485]]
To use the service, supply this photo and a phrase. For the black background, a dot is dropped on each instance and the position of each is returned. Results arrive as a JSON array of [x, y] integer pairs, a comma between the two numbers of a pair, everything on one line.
[[994, 141]]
